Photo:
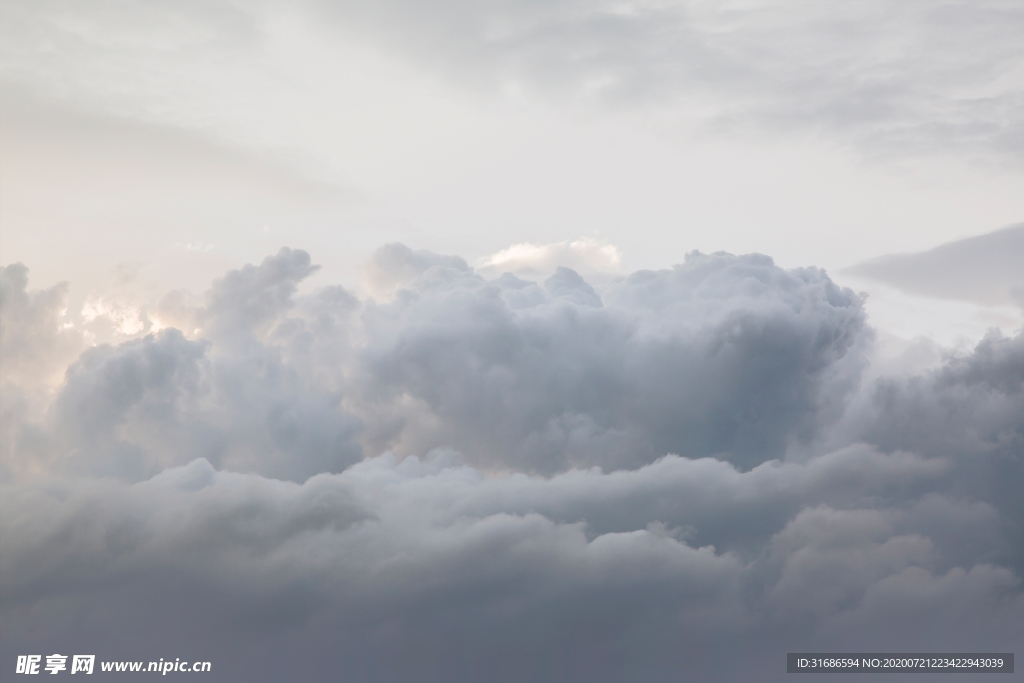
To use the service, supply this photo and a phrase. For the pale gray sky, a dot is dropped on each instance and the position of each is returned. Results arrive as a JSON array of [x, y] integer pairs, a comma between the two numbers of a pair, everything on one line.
[[819, 133]]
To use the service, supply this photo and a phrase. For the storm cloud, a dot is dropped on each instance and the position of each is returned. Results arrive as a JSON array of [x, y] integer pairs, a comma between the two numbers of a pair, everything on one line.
[[719, 355], [469, 476]]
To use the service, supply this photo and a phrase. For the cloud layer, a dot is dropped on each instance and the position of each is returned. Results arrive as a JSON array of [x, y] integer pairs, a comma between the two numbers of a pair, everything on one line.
[[477, 477], [888, 79]]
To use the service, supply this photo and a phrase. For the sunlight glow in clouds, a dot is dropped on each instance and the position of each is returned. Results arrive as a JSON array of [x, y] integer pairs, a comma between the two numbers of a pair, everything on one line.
[[532, 260]]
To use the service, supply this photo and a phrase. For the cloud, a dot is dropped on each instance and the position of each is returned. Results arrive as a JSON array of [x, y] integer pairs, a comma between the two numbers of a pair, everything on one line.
[[395, 264], [434, 570], [232, 395], [252, 298], [721, 355], [496, 478], [37, 341], [587, 257], [984, 269], [970, 411], [35, 335], [889, 80]]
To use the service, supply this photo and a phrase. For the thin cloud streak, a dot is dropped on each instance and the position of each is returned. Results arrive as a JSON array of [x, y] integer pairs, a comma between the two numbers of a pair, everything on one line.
[[987, 269], [322, 482]]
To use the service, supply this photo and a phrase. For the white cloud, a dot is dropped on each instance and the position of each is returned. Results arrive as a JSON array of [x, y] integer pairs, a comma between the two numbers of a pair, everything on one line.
[[594, 260]]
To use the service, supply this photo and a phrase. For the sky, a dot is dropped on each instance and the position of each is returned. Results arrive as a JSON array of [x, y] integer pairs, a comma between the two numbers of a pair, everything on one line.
[[510, 340]]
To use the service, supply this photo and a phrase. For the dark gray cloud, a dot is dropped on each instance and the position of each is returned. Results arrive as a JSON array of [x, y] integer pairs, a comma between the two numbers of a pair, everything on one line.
[[721, 355], [430, 570], [971, 412], [988, 269], [562, 482]]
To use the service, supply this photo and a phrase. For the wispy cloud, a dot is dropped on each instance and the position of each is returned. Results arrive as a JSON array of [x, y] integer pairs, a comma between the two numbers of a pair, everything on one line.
[[986, 269]]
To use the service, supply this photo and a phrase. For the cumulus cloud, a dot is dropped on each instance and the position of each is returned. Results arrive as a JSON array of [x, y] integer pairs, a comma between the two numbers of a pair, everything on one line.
[[721, 355], [35, 333], [970, 411], [395, 264], [230, 394], [477, 477], [37, 341]]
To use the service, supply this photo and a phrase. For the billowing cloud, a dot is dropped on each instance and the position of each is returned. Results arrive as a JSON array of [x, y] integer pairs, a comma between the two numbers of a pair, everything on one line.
[[165, 399], [721, 355], [970, 411], [394, 264], [37, 340], [479, 477], [431, 570]]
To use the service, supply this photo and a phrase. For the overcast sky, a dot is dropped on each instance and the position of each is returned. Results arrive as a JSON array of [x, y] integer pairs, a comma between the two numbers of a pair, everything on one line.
[[510, 340]]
